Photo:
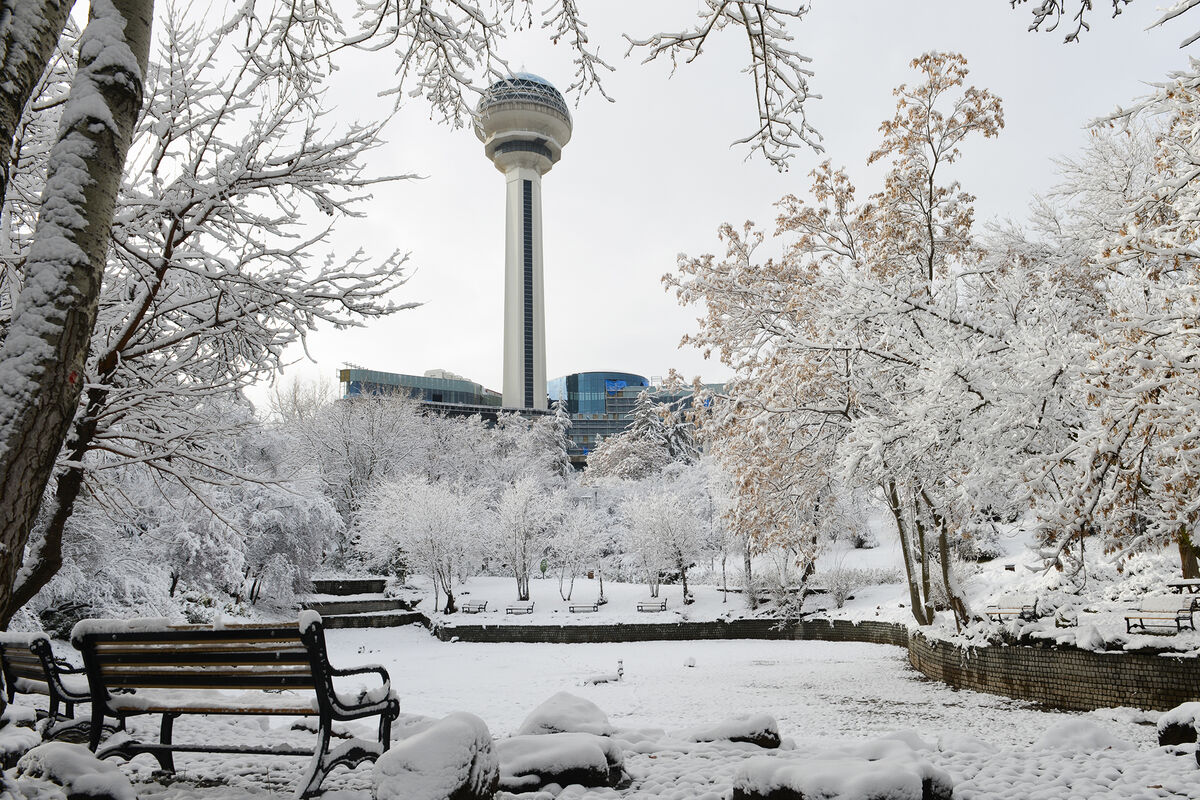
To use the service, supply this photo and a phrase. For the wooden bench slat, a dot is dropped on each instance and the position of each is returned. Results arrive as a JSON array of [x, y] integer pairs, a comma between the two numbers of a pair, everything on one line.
[[202, 636], [216, 657], [199, 681]]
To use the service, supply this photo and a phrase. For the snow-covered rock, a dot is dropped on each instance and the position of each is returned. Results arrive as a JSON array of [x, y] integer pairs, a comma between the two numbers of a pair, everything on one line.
[[1079, 735], [531, 762], [73, 767], [16, 740], [759, 729], [452, 759], [840, 779], [885, 769], [566, 713], [1178, 726]]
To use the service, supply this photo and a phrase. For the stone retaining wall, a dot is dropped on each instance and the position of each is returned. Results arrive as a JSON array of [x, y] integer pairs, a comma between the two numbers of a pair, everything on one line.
[[1059, 677]]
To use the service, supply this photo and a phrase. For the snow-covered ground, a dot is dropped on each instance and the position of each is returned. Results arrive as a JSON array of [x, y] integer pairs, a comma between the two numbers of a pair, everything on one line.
[[824, 695]]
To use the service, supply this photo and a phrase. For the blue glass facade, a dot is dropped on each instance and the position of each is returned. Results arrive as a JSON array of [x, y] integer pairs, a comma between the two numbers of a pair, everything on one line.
[[589, 392]]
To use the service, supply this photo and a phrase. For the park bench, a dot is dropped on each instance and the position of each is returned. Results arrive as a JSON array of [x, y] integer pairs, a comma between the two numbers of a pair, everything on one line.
[[1015, 606], [1170, 611], [520, 608], [29, 666], [149, 667], [474, 608], [576, 608], [652, 605]]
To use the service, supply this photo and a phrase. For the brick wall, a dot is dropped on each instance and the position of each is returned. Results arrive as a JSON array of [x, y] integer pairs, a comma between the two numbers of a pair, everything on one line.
[[1058, 677]]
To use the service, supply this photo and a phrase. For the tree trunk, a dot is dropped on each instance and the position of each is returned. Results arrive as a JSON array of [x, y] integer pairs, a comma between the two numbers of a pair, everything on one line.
[[920, 610], [44, 354], [724, 581], [751, 594], [1189, 554], [29, 29], [686, 595], [958, 601]]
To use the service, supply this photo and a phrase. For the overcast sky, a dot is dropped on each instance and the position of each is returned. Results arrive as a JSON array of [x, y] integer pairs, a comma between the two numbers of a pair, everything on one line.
[[653, 174]]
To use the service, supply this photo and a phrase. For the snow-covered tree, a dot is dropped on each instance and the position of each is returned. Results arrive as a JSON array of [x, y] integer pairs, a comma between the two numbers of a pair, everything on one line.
[[854, 361], [576, 545], [432, 528], [444, 49], [46, 339], [527, 515], [664, 532]]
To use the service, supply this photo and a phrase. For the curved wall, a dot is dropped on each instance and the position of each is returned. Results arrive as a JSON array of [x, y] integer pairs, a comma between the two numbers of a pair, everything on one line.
[[1066, 678]]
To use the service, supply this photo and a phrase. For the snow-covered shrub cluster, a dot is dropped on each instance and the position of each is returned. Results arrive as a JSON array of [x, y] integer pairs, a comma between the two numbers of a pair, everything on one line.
[[841, 582]]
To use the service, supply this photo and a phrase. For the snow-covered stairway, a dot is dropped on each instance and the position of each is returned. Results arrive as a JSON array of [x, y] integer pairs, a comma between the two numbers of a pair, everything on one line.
[[358, 603]]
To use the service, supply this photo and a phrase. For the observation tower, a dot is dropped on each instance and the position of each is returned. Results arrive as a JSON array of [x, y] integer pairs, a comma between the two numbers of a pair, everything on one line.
[[523, 123]]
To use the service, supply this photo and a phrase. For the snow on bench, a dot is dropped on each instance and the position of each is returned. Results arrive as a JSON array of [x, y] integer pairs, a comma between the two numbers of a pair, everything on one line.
[[474, 608], [653, 604], [1163, 611], [525, 607], [29, 667], [1019, 606], [576, 608], [198, 669]]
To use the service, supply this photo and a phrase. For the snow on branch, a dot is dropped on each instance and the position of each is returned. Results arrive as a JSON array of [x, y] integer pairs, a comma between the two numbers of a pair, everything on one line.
[[780, 73]]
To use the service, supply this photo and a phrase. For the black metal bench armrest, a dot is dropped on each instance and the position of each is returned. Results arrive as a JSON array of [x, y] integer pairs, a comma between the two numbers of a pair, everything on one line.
[[67, 668], [375, 668]]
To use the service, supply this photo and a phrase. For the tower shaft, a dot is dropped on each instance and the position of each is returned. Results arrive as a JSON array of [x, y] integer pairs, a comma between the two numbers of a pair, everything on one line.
[[524, 309]]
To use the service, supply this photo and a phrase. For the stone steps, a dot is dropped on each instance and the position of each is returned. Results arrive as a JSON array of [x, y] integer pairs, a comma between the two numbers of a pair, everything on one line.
[[344, 586], [364, 606], [378, 620], [359, 603]]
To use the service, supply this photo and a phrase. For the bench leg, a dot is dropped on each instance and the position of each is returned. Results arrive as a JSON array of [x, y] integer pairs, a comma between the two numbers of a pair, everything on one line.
[[166, 759], [97, 727], [317, 768]]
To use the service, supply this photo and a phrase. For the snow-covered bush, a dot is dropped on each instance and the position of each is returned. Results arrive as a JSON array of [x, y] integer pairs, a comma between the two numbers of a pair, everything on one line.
[[435, 528], [843, 581]]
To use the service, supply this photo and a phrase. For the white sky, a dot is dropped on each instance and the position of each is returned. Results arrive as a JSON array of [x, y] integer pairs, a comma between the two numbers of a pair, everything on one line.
[[652, 175]]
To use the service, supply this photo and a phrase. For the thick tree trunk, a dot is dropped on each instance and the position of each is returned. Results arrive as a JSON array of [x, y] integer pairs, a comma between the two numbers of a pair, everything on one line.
[[1189, 554], [29, 29], [43, 357]]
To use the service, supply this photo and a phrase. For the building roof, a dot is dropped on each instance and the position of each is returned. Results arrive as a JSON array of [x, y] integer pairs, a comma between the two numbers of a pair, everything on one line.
[[525, 87]]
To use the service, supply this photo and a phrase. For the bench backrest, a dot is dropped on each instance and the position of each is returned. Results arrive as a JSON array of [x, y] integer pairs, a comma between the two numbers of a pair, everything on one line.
[[1163, 603], [199, 657]]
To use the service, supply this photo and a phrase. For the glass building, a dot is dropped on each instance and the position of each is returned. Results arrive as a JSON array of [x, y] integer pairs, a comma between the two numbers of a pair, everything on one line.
[[440, 388], [601, 405]]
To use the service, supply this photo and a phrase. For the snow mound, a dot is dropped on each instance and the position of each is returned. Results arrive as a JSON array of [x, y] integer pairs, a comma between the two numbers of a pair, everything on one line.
[[15, 740], [531, 762], [453, 757], [566, 713], [759, 729], [73, 767], [882, 770], [1178, 726], [1079, 735]]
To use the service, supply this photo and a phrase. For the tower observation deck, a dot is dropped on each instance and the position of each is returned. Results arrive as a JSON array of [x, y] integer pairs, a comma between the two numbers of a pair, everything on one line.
[[524, 123]]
